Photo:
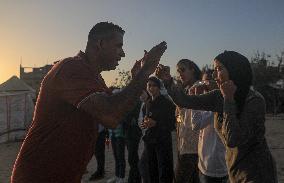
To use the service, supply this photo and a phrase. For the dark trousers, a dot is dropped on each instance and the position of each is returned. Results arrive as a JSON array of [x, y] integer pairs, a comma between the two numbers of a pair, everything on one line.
[[133, 136], [207, 179], [159, 159], [187, 169], [144, 167], [118, 147], [100, 151]]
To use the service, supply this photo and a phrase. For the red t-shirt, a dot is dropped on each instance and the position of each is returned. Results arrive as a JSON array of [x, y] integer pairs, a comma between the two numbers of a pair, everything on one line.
[[61, 139]]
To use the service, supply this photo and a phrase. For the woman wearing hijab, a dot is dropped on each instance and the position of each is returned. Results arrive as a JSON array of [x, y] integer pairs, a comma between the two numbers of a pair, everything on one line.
[[239, 119]]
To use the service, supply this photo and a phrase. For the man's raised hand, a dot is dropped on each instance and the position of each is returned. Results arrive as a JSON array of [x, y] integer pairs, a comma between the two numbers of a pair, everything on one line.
[[138, 65], [151, 59]]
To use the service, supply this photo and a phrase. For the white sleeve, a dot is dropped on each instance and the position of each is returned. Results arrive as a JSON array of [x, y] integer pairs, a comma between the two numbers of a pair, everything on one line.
[[201, 119]]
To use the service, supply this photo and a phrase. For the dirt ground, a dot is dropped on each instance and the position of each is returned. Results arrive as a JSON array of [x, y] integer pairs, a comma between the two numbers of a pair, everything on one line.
[[274, 133]]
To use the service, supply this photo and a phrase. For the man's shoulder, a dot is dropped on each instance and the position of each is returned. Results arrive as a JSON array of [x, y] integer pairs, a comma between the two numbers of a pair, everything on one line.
[[72, 64], [70, 67]]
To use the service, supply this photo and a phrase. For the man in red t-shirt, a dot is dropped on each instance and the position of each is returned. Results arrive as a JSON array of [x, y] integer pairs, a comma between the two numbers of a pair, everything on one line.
[[73, 99]]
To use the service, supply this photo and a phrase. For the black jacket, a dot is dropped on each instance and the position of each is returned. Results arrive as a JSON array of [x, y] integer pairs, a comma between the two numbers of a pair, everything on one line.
[[163, 112]]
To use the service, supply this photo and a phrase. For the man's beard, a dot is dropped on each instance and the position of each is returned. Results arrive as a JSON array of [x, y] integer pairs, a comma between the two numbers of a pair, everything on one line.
[[106, 65]]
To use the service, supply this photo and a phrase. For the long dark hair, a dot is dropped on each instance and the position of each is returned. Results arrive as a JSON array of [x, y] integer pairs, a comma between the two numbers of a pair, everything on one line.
[[240, 73], [191, 65]]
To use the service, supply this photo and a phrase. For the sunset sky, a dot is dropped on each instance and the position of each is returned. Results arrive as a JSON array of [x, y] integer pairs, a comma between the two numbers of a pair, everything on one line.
[[37, 32]]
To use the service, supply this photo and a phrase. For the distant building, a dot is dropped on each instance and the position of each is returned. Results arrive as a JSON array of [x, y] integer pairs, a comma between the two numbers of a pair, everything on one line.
[[34, 75]]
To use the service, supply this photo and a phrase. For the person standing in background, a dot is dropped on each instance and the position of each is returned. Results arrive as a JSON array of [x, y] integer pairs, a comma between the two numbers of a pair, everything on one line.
[[100, 154], [187, 139], [159, 122], [133, 135], [117, 137], [211, 151]]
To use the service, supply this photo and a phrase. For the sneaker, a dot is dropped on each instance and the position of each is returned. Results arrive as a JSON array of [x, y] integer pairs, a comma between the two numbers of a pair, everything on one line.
[[112, 180], [120, 180], [97, 175]]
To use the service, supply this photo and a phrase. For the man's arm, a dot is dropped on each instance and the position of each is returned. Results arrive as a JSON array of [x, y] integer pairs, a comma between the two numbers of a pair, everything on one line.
[[110, 110]]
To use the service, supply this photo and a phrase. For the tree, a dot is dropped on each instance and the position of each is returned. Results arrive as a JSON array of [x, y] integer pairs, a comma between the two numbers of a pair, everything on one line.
[[263, 70], [123, 79], [265, 73], [280, 60]]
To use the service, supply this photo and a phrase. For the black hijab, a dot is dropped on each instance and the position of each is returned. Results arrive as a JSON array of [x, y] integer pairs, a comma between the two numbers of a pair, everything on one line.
[[240, 73]]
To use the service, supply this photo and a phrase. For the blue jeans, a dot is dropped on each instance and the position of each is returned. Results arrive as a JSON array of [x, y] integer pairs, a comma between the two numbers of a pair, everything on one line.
[[207, 179]]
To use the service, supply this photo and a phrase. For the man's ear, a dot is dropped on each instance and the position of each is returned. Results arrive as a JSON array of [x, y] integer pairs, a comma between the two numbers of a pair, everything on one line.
[[100, 44]]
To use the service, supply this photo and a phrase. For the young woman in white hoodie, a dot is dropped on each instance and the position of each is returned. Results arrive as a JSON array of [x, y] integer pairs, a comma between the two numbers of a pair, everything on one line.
[[211, 150]]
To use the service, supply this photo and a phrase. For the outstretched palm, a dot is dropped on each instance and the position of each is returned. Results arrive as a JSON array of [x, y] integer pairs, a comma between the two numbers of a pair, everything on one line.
[[150, 60]]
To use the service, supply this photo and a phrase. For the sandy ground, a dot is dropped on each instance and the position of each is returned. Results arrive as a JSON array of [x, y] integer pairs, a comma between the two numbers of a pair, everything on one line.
[[274, 133]]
